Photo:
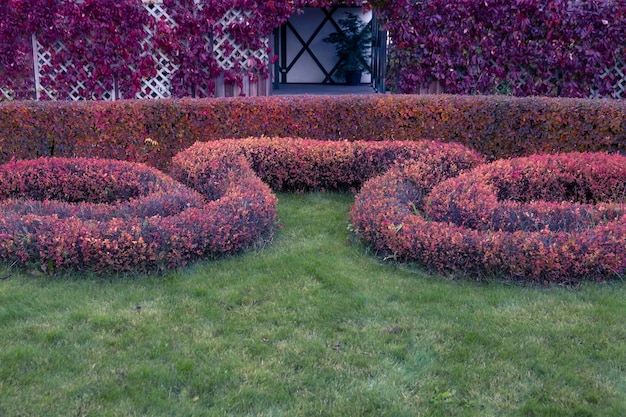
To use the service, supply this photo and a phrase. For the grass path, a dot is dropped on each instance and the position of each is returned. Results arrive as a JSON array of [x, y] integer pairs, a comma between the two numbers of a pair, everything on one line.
[[309, 326]]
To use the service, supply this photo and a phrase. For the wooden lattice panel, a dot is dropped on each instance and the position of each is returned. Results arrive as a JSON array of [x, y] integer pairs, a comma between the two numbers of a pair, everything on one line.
[[619, 71], [158, 86], [17, 90], [227, 52], [203, 91], [46, 84], [44, 59], [6, 93], [157, 10]]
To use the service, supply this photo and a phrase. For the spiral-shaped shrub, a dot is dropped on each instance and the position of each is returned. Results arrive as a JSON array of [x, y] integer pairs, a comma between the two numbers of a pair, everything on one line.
[[545, 218], [66, 214]]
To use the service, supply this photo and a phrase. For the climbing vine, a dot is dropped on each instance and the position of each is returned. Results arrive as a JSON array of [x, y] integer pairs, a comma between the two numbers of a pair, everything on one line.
[[19, 19], [528, 47], [104, 41]]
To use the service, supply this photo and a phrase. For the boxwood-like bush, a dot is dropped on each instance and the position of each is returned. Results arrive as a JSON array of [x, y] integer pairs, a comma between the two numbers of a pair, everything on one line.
[[546, 218], [153, 131], [97, 215], [295, 164]]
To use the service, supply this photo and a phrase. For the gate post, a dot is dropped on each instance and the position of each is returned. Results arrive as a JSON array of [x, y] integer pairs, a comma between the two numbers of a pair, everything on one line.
[[36, 75]]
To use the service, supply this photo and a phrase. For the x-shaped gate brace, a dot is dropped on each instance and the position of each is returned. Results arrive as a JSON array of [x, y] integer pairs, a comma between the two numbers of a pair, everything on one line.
[[286, 67]]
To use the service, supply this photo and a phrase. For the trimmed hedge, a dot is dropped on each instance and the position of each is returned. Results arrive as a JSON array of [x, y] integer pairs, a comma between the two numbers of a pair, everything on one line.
[[545, 218], [153, 131], [64, 214], [294, 164]]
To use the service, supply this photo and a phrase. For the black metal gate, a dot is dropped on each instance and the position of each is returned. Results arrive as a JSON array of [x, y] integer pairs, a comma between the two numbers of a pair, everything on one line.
[[379, 56], [303, 56]]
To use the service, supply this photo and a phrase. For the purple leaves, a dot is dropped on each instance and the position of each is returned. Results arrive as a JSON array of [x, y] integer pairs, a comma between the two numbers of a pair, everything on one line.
[[531, 47]]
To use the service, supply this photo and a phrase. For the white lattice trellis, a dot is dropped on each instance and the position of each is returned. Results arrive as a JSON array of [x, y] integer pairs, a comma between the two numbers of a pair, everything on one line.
[[6, 93], [619, 71], [46, 91], [44, 58], [158, 86], [227, 52], [156, 10]]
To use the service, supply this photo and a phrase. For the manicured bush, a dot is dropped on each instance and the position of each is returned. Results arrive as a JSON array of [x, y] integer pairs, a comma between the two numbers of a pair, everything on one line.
[[154, 131], [295, 164], [64, 214], [546, 218]]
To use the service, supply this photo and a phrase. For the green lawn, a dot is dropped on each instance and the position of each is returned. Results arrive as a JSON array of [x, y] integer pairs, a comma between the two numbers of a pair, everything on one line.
[[310, 325]]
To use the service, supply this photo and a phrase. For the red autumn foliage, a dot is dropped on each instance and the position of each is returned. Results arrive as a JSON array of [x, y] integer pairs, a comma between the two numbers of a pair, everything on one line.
[[497, 127], [295, 164], [529, 47], [108, 216], [523, 48], [105, 40], [546, 218]]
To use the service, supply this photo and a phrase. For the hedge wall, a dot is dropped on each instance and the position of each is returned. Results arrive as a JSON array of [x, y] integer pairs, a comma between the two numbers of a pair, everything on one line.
[[301, 165], [153, 131]]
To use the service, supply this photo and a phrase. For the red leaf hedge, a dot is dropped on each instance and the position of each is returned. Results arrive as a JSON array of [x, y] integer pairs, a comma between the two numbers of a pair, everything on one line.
[[295, 164], [106, 216], [154, 131], [548, 218]]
